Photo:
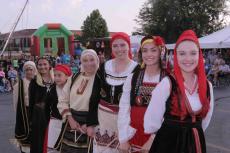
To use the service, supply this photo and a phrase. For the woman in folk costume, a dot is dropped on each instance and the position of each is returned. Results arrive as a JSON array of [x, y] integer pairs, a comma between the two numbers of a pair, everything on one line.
[[42, 104], [21, 105], [103, 108], [61, 74], [182, 103], [137, 94], [74, 105]]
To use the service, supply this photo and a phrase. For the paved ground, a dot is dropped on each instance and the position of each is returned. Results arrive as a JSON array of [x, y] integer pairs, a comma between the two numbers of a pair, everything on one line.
[[217, 134], [7, 120]]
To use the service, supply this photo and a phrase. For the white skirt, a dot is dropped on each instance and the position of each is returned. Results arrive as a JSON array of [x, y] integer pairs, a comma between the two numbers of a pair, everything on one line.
[[54, 131], [106, 139]]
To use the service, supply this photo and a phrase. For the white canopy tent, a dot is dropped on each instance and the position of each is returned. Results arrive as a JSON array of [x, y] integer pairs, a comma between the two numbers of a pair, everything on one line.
[[218, 39], [135, 42]]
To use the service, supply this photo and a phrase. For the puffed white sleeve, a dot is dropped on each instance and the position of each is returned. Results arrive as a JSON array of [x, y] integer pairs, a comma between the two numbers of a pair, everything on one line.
[[206, 120], [125, 131], [64, 100], [154, 114]]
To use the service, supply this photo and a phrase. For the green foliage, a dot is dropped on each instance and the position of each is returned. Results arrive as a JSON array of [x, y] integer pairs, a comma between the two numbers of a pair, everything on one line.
[[94, 26], [169, 18]]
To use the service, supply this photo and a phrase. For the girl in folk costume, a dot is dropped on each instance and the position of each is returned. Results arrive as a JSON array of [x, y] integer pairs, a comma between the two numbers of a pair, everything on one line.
[[182, 104], [61, 75], [21, 105], [137, 94], [74, 105], [103, 108], [42, 103]]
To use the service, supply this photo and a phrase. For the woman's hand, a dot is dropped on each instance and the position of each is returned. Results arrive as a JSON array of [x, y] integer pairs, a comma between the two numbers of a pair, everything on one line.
[[124, 147], [73, 124], [146, 147], [90, 131], [84, 128]]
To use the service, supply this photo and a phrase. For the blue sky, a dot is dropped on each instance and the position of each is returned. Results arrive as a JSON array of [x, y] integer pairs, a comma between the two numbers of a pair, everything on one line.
[[119, 14]]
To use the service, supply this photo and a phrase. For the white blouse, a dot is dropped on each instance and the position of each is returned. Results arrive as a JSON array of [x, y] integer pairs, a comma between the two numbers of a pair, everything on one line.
[[125, 131], [71, 99], [109, 69], [155, 112]]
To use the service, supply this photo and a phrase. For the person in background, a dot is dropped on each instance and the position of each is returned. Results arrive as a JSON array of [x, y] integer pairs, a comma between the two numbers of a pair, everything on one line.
[[3, 64], [21, 62], [15, 63], [224, 68], [215, 72], [74, 67], [2, 77], [101, 57], [12, 76], [208, 67]]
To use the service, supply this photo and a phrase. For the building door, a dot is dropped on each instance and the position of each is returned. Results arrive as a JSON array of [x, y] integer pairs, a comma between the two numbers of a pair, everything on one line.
[[60, 45], [48, 45]]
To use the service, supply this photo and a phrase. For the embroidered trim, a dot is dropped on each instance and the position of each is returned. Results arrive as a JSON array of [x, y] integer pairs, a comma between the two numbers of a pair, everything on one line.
[[24, 113], [82, 86], [115, 78], [197, 140], [105, 139], [114, 108], [145, 91]]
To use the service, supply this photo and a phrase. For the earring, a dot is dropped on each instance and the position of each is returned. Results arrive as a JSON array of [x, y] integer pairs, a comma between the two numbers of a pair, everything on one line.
[[142, 65]]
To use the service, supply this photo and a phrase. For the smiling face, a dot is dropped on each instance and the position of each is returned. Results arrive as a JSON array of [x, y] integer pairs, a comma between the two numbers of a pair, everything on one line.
[[29, 72], [43, 66], [89, 64], [120, 48], [150, 54], [187, 56]]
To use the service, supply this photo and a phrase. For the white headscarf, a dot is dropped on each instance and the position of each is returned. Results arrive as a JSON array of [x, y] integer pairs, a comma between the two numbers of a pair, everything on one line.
[[89, 52], [30, 64]]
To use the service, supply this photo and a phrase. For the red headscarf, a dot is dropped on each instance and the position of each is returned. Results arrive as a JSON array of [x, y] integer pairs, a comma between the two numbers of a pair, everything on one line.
[[63, 68], [123, 36], [202, 80]]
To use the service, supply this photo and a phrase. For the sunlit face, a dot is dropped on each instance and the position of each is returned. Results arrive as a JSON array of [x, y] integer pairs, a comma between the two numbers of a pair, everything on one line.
[[150, 54], [120, 48], [60, 78], [29, 73], [187, 56], [43, 66], [89, 64]]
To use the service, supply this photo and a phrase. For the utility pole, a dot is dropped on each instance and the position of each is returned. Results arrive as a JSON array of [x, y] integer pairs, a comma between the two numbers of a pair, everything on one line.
[[15, 25]]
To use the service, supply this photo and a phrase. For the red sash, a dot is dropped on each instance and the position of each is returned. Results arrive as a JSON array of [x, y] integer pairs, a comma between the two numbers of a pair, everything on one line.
[[137, 122]]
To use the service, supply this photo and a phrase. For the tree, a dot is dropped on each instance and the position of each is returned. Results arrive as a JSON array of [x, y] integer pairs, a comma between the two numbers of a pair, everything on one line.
[[169, 18], [94, 26]]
